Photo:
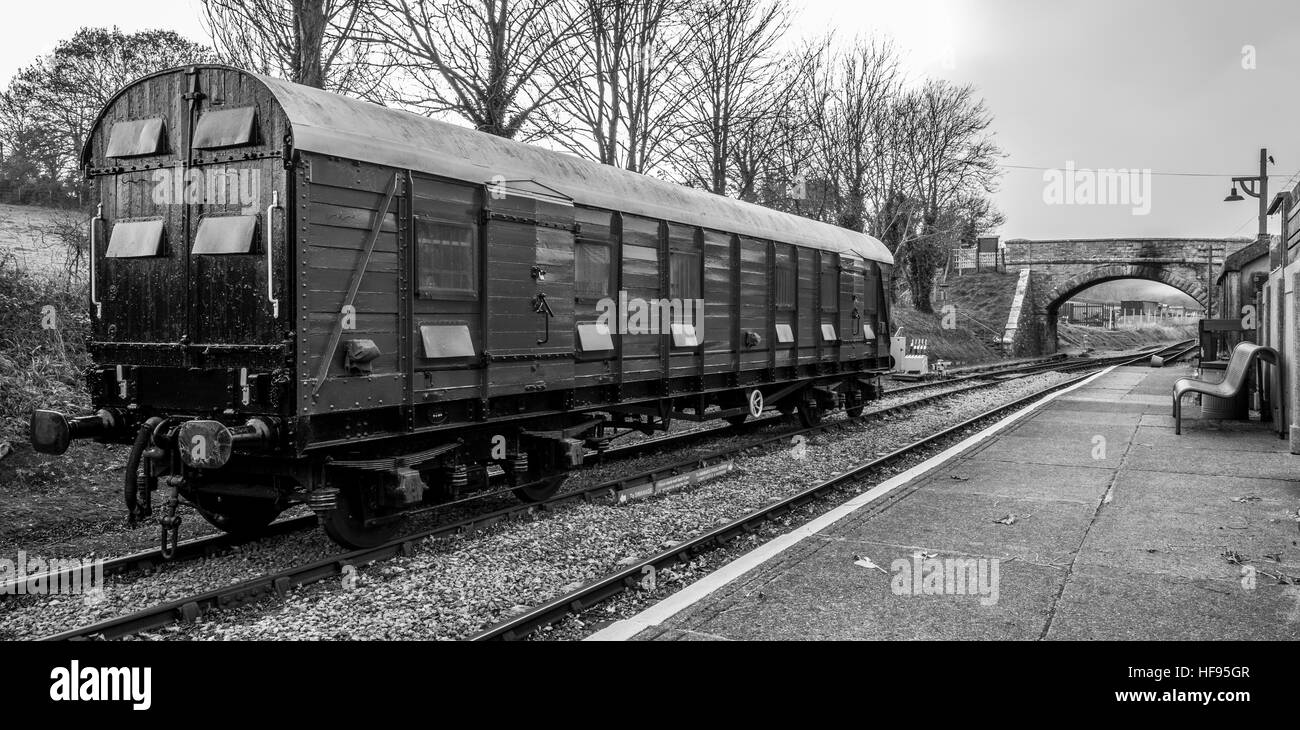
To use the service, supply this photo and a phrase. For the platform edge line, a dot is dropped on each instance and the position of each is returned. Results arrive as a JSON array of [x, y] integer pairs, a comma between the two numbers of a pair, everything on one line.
[[655, 615]]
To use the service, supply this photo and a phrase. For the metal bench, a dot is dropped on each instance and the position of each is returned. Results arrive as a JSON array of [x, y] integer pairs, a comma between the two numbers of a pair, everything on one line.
[[1244, 356]]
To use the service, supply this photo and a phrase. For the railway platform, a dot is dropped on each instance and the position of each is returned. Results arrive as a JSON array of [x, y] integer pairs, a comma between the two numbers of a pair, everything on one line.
[[1083, 518]]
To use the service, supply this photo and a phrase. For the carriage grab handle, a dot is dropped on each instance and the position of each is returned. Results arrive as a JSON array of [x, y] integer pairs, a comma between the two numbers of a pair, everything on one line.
[[94, 290], [270, 270]]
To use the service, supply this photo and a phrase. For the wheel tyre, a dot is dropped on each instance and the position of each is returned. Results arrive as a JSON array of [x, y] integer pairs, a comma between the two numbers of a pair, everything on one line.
[[239, 516], [345, 524], [541, 490], [810, 414], [855, 411]]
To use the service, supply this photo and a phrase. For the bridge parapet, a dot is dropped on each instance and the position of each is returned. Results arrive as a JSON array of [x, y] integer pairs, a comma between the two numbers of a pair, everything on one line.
[[1062, 268]]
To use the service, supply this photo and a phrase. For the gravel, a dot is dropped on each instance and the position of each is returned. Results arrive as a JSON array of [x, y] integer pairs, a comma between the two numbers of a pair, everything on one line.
[[450, 588]]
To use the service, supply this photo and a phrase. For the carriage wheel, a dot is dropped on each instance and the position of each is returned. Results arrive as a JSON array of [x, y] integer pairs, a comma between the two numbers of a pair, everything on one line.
[[855, 411], [240, 516], [346, 523], [810, 414], [541, 490], [738, 420]]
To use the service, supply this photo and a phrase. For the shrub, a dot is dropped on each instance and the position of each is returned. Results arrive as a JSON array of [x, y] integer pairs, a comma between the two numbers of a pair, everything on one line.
[[40, 366]]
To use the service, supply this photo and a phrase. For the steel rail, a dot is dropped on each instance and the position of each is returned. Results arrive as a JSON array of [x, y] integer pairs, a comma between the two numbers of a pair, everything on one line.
[[220, 544], [280, 582], [602, 589]]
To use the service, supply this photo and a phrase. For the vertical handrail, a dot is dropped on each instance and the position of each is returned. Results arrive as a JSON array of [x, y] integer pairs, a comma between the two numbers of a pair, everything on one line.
[[94, 290], [270, 270]]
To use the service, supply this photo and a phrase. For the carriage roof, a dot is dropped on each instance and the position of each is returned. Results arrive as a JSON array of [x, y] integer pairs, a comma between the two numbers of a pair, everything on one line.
[[328, 123]]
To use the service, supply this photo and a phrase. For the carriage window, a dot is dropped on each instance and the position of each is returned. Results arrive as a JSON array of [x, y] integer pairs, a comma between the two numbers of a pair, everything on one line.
[[869, 291], [785, 280], [226, 128], [135, 239], [136, 138], [448, 259], [592, 277], [830, 286], [684, 275], [225, 234]]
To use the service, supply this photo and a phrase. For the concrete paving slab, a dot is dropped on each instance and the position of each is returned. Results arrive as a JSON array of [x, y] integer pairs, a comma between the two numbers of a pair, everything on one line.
[[1096, 607], [1153, 541], [1115, 394], [1045, 531], [1074, 446], [1020, 481], [1058, 415], [1195, 526], [1035, 428], [1203, 438], [1148, 399], [1261, 465], [828, 596], [1100, 405]]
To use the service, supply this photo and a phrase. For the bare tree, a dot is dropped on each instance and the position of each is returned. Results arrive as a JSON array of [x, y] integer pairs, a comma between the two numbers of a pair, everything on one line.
[[736, 81], [950, 155], [775, 152], [313, 42], [48, 108], [855, 101], [490, 62], [625, 83]]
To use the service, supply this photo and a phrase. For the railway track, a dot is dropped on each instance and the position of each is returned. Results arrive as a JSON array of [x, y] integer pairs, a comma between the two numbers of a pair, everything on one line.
[[279, 583], [596, 592], [217, 545]]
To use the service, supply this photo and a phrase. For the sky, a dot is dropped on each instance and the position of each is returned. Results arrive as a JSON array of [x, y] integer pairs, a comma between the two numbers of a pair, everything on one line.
[[1166, 86]]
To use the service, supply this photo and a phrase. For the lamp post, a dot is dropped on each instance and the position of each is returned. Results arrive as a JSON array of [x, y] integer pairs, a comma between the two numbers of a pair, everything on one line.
[[1256, 186]]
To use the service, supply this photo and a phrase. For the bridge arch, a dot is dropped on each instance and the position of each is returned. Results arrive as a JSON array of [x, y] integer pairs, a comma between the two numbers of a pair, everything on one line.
[[1061, 268], [1049, 304], [1066, 289]]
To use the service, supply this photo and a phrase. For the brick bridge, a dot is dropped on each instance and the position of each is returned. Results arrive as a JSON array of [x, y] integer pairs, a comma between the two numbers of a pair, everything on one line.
[[1062, 269]]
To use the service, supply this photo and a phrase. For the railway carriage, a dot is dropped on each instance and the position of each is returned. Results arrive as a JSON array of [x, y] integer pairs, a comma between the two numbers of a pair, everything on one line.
[[298, 297]]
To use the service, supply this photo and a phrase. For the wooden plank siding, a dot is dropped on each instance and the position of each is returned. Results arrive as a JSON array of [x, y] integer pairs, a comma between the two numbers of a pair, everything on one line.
[[206, 298], [806, 334], [344, 200], [736, 281], [640, 248], [755, 288], [596, 228], [446, 379], [683, 241], [720, 348]]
